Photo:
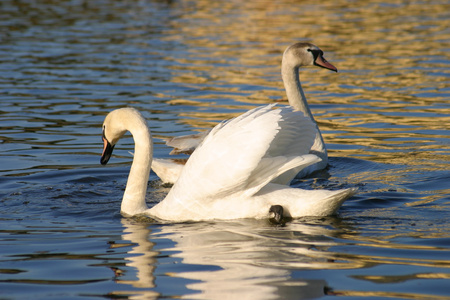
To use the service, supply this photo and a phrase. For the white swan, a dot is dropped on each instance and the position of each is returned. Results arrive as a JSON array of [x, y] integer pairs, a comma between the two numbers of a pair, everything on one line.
[[228, 175], [295, 56]]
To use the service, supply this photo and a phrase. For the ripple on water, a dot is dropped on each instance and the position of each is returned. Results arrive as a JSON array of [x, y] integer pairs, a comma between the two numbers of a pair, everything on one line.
[[187, 67]]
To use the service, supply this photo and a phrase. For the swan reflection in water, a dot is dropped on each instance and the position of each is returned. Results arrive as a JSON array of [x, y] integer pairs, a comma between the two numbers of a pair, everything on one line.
[[247, 258]]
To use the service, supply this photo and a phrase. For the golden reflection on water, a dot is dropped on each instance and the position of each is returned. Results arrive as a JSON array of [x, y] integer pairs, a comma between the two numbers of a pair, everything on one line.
[[389, 99], [256, 257]]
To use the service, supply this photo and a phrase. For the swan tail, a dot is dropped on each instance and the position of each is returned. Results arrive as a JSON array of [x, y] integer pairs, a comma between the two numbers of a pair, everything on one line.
[[326, 204]]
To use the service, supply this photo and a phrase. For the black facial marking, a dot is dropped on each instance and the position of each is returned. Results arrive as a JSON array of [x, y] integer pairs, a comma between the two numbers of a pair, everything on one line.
[[103, 133], [316, 53]]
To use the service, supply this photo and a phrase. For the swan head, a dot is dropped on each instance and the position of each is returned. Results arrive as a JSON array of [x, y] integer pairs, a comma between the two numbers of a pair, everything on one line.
[[306, 54], [116, 124]]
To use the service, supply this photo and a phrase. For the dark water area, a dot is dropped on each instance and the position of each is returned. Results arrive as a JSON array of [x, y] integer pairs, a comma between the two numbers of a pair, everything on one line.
[[187, 65]]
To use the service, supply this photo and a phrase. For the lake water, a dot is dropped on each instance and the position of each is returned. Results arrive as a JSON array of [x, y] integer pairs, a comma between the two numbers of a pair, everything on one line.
[[188, 65]]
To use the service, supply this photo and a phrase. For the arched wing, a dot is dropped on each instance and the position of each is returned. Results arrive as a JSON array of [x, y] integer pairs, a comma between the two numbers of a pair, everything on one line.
[[243, 154]]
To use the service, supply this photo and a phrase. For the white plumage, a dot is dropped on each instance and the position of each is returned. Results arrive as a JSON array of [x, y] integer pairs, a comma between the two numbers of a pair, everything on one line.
[[231, 173]]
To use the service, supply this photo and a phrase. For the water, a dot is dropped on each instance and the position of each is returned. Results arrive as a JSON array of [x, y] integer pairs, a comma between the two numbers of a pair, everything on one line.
[[187, 65]]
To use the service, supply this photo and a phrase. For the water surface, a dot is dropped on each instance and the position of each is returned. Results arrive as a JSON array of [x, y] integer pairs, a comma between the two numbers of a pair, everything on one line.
[[188, 65]]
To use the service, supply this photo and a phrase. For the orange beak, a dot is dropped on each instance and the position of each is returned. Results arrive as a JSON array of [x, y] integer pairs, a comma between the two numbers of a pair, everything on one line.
[[322, 62]]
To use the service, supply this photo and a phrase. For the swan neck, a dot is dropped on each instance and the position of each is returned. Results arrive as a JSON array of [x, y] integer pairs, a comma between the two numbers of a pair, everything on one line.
[[294, 91], [297, 100], [133, 201]]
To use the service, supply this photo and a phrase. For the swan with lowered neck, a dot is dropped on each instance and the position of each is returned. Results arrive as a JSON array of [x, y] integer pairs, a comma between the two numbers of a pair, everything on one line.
[[229, 175], [294, 57]]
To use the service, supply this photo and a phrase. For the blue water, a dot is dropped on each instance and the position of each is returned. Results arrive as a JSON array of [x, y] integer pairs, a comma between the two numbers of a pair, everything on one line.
[[187, 66]]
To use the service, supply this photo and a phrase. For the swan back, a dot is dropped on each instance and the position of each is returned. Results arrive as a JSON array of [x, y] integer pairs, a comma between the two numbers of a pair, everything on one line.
[[250, 150], [239, 157]]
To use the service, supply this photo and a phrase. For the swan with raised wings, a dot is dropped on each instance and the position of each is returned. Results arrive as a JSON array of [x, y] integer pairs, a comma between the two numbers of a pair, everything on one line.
[[229, 174], [295, 56]]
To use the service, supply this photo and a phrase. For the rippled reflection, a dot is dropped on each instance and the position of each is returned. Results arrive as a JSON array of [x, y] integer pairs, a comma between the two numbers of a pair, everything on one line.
[[242, 255], [253, 259]]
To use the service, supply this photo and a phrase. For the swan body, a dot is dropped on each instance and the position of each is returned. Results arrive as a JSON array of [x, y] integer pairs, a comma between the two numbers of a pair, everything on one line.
[[229, 174], [294, 57]]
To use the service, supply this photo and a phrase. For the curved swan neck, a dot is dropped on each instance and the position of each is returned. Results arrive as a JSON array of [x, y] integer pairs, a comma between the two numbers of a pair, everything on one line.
[[133, 201], [294, 91], [297, 99]]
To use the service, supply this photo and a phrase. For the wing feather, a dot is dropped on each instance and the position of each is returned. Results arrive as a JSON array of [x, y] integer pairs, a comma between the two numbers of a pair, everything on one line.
[[242, 155]]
